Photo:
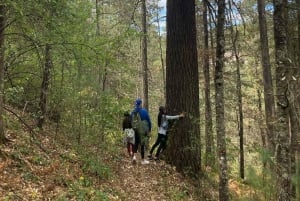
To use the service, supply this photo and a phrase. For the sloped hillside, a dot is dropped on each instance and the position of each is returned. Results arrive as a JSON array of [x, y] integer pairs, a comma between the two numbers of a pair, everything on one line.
[[34, 166]]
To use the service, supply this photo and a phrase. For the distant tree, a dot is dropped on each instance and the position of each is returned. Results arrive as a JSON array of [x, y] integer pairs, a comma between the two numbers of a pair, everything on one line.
[[219, 100], [267, 75], [283, 78], [2, 29], [44, 87], [182, 87], [97, 5], [236, 52], [209, 154]]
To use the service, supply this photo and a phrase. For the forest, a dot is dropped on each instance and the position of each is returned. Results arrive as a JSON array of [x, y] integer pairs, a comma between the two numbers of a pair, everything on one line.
[[69, 70]]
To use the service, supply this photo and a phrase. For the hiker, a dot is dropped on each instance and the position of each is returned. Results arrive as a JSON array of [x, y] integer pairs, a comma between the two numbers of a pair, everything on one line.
[[140, 116], [129, 137], [162, 137]]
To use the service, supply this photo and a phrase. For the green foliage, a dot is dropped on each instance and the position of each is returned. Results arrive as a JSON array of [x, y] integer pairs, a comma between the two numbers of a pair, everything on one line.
[[82, 190], [13, 95], [178, 195], [92, 164], [262, 182]]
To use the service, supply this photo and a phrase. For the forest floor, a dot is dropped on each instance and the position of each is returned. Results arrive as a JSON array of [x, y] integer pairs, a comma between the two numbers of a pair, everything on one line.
[[37, 167], [29, 172]]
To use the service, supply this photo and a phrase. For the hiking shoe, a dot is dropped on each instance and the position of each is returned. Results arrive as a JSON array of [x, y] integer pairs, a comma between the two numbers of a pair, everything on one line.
[[145, 162], [133, 160]]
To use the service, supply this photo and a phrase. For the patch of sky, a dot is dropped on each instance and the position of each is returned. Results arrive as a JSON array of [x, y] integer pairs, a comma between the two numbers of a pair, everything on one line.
[[159, 19]]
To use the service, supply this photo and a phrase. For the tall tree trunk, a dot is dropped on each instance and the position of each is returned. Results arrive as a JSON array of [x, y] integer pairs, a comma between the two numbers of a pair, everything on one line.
[[183, 87], [2, 29], [44, 87], [144, 55], [219, 90], [267, 75], [209, 155], [283, 76]]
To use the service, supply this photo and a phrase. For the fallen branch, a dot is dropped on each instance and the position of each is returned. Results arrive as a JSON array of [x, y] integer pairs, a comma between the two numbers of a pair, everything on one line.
[[31, 131]]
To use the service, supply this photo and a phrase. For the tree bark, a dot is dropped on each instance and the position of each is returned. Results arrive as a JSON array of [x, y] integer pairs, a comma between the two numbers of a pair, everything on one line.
[[182, 79], [283, 76], [219, 99]]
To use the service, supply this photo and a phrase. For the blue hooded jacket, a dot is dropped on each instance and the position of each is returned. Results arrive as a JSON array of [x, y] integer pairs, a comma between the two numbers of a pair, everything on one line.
[[143, 112]]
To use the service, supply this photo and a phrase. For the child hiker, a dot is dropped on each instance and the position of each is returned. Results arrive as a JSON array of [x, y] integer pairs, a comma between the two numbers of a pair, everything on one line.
[[129, 138]]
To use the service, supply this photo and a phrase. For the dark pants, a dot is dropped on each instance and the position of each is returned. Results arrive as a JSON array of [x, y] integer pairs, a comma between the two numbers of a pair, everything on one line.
[[136, 145], [161, 142]]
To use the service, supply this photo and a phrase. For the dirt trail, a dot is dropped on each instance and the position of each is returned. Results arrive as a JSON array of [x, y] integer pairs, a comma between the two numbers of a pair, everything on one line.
[[156, 181]]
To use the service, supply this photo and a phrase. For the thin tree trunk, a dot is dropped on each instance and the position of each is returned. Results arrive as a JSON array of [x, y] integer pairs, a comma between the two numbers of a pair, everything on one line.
[[2, 29], [44, 87], [209, 155], [267, 75], [161, 57], [219, 90], [97, 18], [241, 118], [283, 76], [241, 115], [262, 129], [212, 41], [144, 55], [234, 40]]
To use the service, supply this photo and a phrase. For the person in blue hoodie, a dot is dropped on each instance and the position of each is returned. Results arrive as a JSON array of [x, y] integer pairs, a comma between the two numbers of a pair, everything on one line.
[[140, 139]]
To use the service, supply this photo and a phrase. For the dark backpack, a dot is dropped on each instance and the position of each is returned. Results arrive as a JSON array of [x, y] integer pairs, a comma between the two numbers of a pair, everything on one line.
[[141, 127]]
